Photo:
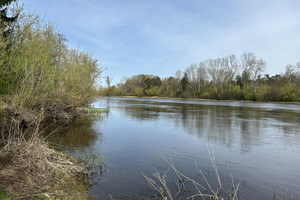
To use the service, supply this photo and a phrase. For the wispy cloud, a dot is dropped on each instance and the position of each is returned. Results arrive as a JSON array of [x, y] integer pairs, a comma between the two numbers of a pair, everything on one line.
[[159, 37]]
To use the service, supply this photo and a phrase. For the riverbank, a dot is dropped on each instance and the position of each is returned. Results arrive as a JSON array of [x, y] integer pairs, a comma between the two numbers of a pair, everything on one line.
[[31, 169], [43, 84], [197, 99]]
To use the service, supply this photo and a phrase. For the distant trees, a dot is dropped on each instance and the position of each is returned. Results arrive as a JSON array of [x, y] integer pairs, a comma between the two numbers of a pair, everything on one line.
[[229, 77], [170, 87], [252, 69], [138, 85]]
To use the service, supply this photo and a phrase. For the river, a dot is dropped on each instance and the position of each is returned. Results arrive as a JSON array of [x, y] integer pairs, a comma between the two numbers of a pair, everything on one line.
[[256, 143]]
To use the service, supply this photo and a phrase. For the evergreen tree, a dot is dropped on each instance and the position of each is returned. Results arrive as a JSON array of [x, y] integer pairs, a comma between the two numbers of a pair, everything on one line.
[[184, 82], [6, 21]]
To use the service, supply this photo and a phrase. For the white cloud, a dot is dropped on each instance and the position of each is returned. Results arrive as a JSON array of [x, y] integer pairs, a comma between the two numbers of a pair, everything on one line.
[[159, 37]]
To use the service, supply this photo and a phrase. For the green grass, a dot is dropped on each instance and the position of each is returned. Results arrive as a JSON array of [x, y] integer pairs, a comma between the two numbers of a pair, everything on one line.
[[97, 111], [4, 195]]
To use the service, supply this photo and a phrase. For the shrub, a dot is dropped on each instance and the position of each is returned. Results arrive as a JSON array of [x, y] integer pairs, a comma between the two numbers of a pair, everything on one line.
[[290, 92], [237, 93], [249, 94], [39, 71], [153, 91], [138, 91]]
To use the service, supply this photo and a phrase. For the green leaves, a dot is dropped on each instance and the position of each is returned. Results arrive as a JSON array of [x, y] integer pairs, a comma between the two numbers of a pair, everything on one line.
[[40, 71]]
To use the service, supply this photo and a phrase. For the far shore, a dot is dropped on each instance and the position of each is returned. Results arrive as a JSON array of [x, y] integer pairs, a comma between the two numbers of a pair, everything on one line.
[[198, 99]]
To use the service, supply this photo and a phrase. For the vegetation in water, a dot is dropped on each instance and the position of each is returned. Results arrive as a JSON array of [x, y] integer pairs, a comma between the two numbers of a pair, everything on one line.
[[97, 111], [94, 162], [185, 184], [226, 78]]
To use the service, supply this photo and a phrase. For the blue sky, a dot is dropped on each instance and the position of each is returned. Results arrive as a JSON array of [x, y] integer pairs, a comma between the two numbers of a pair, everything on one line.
[[158, 37]]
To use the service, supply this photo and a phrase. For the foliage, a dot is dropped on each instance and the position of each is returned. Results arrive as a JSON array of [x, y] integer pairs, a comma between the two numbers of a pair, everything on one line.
[[237, 92], [184, 83], [153, 91], [39, 71], [249, 93], [138, 91], [224, 78], [290, 92]]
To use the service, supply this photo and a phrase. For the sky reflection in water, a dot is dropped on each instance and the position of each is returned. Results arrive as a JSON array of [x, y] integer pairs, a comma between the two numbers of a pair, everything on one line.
[[256, 142]]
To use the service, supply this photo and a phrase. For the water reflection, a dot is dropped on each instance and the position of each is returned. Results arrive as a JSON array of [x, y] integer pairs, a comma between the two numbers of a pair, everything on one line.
[[251, 139], [256, 142], [219, 124], [79, 134]]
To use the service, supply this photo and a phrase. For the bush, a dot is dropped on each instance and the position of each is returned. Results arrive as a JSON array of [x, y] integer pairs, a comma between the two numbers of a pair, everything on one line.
[[268, 93], [209, 93], [138, 91], [249, 94], [153, 91], [237, 93], [39, 71], [290, 92]]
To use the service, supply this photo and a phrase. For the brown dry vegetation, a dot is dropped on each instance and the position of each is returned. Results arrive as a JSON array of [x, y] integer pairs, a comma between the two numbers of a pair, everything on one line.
[[29, 168], [185, 183]]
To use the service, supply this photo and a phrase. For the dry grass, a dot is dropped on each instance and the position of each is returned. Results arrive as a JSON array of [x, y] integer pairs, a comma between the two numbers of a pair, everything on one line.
[[159, 184], [28, 167]]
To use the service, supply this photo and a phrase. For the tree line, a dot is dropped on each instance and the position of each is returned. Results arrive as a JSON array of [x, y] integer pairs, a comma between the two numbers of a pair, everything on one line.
[[226, 78]]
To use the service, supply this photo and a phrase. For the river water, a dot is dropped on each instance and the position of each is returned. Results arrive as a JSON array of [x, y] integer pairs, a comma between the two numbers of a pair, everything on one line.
[[255, 143]]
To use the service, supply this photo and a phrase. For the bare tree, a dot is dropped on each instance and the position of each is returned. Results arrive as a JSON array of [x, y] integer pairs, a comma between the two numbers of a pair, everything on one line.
[[292, 73], [201, 76], [232, 66], [108, 81], [252, 68], [216, 71], [191, 72], [179, 76]]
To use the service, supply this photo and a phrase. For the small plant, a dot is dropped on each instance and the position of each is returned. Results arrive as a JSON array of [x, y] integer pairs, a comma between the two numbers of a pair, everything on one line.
[[93, 161], [4, 195]]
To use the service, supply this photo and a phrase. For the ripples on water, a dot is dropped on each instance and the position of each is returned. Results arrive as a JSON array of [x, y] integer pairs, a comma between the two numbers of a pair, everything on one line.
[[258, 143]]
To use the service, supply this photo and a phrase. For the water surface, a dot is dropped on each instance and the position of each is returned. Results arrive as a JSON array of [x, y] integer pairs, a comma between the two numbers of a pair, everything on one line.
[[258, 143]]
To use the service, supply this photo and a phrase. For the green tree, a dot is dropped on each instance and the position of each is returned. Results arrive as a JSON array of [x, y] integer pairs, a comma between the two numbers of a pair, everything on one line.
[[290, 92], [184, 82], [153, 91]]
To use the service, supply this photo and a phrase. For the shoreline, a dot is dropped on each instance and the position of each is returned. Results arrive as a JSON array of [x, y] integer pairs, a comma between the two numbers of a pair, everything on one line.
[[50, 174], [197, 99]]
